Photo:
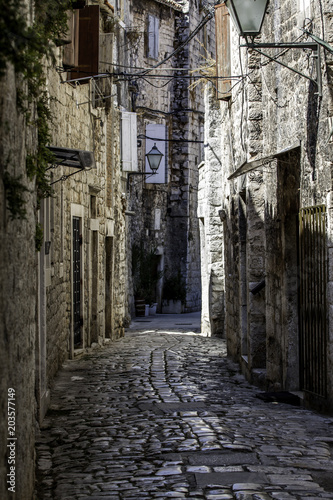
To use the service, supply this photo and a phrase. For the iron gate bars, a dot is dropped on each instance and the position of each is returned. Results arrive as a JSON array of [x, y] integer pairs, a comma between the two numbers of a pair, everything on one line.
[[77, 282], [312, 300]]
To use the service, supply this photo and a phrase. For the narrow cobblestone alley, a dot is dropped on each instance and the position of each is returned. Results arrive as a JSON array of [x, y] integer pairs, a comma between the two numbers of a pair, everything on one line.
[[160, 415]]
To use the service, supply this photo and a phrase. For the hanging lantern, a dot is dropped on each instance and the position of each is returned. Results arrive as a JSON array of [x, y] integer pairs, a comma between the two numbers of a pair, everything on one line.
[[248, 15], [154, 158]]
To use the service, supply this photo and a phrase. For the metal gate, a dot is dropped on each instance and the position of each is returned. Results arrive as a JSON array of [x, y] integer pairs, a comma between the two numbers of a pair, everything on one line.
[[77, 281], [312, 300]]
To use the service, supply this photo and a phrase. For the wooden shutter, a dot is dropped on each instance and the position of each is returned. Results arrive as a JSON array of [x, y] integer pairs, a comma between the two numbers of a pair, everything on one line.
[[153, 36], [71, 49], [223, 59], [156, 36], [129, 151], [156, 131], [88, 43]]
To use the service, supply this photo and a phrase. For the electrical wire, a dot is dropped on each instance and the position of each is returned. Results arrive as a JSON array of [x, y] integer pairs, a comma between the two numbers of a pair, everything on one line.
[[181, 77], [193, 33], [123, 76], [157, 86], [168, 113], [142, 136]]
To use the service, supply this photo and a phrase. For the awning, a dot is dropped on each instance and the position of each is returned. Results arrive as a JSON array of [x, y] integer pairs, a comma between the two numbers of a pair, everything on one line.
[[74, 158], [251, 165]]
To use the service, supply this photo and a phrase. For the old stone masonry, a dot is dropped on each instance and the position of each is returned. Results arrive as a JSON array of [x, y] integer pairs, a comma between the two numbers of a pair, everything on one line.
[[165, 414]]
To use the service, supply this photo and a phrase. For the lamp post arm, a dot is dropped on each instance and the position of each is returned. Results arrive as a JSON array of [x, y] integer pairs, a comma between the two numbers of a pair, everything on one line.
[[137, 173], [283, 45], [313, 46]]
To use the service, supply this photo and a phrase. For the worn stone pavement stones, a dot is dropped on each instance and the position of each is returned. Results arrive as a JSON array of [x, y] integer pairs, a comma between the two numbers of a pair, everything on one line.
[[159, 415]]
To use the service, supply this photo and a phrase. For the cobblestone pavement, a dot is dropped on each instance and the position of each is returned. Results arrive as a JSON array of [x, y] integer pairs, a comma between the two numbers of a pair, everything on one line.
[[160, 415]]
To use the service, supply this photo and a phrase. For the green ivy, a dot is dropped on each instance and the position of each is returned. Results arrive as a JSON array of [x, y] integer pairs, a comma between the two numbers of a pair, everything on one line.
[[23, 45], [27, 48], [39, 163], [14, 190], [39, 236]]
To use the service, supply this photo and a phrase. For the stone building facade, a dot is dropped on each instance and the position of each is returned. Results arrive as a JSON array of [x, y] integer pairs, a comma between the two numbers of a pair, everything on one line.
[[18, 300], [265, 201], [169, 112], [85, 268], [70, 294]]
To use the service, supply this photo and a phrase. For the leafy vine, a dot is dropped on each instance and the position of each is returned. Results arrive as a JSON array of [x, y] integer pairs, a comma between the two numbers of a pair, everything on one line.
[[27, 47]]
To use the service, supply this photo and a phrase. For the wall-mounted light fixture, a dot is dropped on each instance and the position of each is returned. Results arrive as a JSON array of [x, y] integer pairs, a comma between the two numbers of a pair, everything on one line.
[[248, 16], [154, 158]]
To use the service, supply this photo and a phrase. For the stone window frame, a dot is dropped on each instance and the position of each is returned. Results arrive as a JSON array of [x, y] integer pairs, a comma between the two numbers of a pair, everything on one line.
[[153, 36]]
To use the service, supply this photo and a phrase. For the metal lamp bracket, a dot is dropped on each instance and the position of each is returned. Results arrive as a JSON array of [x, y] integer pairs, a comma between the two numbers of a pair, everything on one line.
[[315, 47], [130, 174]]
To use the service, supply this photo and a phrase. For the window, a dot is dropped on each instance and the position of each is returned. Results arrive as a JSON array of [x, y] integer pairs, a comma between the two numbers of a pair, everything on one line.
[[223, 60], [153, 36], [71, 49], [81, 55], [156, 132], [129, 152]]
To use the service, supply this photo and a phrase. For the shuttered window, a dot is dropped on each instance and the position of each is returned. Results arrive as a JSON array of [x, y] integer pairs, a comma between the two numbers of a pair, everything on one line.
[[129, 152], [155, 132], [153, 36], [87, 44], [71, 47], [223, 60]]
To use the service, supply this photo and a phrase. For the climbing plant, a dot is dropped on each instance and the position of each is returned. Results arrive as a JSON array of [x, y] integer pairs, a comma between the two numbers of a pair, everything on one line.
[[27, 46]]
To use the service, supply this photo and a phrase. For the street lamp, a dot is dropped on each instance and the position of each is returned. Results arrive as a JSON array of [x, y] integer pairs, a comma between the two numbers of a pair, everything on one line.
[[248, 16], [154, 158]]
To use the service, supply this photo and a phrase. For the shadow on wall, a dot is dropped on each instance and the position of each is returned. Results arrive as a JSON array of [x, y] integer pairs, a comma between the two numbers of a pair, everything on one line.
[[216, 302], [276, 313]]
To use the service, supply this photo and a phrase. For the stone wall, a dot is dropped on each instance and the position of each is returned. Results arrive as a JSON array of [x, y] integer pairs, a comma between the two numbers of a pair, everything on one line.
[[96, 197], [188, 109], [211, 229], [36, 294], [277, 116], [179, 107], [18, 278]]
